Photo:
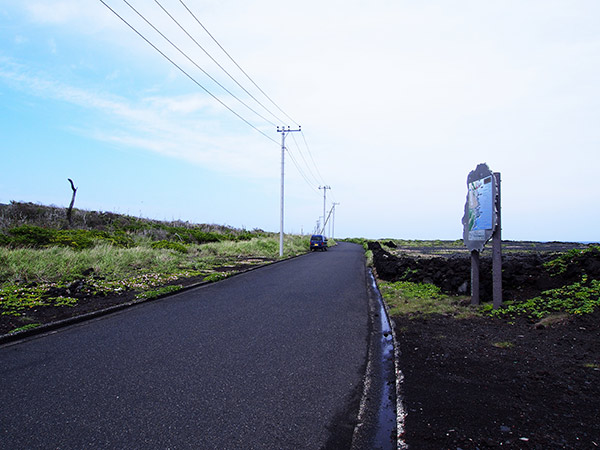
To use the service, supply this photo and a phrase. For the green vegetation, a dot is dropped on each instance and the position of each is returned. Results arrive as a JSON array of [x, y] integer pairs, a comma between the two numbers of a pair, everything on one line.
[[26, 327], [560, 264], [155, 293], [44, 264], [504, 344], [416, 299], [216, 276], [369, 257], [578, 298], [39, 237]]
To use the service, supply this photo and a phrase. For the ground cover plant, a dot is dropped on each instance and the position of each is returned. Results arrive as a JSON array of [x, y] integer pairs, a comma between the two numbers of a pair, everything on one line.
[[49, 272]]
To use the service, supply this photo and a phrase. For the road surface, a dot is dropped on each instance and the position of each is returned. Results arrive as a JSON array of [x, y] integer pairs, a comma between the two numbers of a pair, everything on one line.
[[270, 359]]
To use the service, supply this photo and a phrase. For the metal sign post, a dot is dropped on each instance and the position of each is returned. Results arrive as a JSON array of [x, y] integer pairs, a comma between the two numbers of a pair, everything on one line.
[[497, 248]]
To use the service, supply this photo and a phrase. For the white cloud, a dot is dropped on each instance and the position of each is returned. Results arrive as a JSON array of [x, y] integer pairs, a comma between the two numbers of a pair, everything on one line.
[[399, 100], [165, 125]]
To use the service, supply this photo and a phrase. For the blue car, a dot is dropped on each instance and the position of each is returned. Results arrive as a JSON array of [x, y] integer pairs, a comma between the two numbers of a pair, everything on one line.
[[318, 242]]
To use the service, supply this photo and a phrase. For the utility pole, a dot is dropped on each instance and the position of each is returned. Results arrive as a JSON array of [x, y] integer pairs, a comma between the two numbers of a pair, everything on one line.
[[324, 202], [333, 221], [283, 132]]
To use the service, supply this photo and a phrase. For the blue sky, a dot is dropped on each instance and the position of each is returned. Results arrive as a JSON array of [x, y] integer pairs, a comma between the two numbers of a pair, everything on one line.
[[398, 102]]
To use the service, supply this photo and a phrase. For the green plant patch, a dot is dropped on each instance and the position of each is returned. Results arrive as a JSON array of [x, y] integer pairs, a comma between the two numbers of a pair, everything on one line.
[[31, 236], [39, 237], [415, 299], [415, 290], [170, 245], [26, 327], [369, 257], [216, 276], [560, 264], [578, 298], [155, 293], [504, 344], [16, 300]]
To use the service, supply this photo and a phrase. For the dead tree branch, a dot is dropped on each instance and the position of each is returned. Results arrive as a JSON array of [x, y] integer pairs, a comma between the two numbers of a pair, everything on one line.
[[70, 210]]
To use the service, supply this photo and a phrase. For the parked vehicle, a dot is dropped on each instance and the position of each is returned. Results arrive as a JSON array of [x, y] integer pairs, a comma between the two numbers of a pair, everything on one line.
[[318, 242]]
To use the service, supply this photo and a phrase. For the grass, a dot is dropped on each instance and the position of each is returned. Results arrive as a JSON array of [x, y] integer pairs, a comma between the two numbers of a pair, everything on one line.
[[418, 299], [155, 293], [26, 327], [44, 262], [32, 277]]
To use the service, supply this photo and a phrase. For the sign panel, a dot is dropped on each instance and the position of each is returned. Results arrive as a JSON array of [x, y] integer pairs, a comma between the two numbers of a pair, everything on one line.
[[479, 220]]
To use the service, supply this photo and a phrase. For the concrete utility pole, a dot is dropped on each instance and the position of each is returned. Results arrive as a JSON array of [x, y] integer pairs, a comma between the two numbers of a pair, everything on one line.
[[283, 132], [333, 221], [324, 203]]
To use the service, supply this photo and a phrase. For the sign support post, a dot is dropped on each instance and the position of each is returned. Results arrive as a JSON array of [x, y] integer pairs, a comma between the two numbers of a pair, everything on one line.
[[497, 249], [475, 277]]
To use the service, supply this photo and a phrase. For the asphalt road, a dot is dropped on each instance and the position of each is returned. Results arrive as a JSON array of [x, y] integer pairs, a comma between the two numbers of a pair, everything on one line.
[[270, 359]]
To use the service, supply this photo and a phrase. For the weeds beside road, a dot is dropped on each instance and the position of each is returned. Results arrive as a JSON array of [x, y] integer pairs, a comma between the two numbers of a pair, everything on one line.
[[47, 273]]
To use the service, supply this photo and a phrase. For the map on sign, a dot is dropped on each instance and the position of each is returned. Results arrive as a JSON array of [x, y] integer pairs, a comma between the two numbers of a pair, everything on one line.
[[480, 218], [480, 204]]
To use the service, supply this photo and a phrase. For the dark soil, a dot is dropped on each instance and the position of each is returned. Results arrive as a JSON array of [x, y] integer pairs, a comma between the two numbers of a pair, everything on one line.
[[485, 383]]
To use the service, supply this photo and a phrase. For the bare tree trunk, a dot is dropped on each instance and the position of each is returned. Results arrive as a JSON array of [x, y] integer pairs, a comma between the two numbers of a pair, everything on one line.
[[70, 210]]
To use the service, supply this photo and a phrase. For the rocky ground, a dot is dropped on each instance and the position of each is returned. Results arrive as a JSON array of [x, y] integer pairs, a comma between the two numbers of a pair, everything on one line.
[[483, 383]]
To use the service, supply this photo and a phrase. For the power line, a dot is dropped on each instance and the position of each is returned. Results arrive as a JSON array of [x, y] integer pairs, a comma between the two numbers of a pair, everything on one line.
[[194, 63], [311, 157], [217, 63], [295, 162], [300, 170], [304, 159], [187, 74], [238, 66]]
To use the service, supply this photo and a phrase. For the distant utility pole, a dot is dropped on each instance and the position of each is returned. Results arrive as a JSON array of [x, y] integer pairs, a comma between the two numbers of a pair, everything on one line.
[[333, 221], [283, 132], [324, 203]]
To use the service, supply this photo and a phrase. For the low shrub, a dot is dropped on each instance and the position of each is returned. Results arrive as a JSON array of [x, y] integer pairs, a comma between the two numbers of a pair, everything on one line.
[[30, 236], [170, 246], [39, 237]]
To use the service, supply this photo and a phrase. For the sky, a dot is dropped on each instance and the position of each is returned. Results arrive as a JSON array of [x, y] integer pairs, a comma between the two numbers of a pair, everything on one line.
[[397, 101]]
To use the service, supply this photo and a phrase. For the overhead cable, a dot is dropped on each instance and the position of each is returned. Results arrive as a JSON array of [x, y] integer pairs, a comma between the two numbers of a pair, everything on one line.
[[300, 170], [311, 157], [187, 74], [216, 62], [194, 63], [305, 162], [237, 65]]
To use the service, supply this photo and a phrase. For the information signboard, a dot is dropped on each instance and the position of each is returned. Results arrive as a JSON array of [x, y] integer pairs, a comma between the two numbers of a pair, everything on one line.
[[480, 219]]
